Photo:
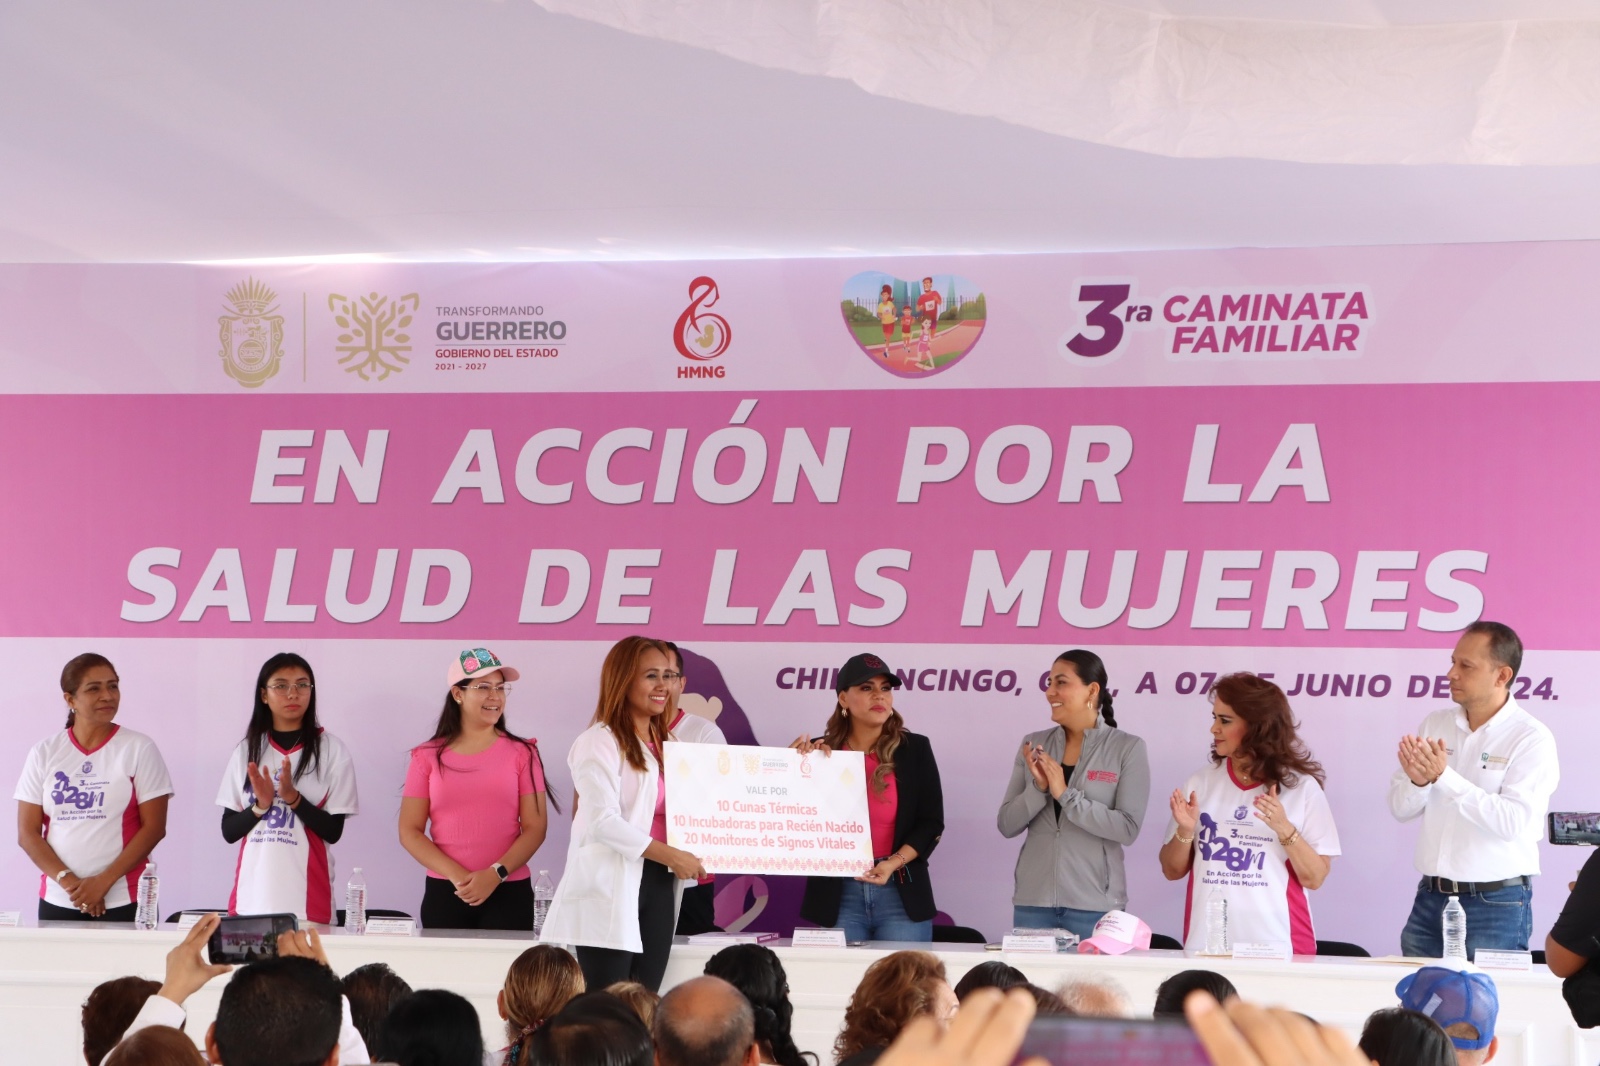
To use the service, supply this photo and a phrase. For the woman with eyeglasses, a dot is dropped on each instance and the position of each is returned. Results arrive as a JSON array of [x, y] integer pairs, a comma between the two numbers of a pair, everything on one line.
[[287, 790], [618, 899], [92, 802], [482, 789]]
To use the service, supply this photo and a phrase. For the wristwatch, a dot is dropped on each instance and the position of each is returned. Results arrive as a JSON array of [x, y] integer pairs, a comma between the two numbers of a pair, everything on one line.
[[500, 871]]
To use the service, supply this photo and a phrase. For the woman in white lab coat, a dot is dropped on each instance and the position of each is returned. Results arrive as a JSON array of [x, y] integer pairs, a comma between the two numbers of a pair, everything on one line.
[[618, 899]]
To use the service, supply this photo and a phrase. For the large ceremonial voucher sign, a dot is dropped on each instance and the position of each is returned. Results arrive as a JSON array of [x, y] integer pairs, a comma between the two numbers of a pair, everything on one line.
[[744, 810], [1314, 464]]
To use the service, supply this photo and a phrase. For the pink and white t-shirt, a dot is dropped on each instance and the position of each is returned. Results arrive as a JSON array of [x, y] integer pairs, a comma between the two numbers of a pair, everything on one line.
[[1238, 855], [91, 803], [283, 868], [475, 801]]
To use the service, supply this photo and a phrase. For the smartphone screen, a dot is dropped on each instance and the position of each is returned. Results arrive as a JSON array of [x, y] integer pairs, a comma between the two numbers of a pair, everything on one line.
[[246, 938], [1568, 827], [1113, 1042]]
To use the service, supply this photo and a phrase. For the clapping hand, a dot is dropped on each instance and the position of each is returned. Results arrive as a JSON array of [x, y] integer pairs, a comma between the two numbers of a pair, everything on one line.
[[1270, 810], [286, 789], [1030, 759], [1186, 812], [1423, 759], [261, 784]]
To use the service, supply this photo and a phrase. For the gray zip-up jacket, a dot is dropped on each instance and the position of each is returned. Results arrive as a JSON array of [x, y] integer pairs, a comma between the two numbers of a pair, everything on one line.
[[1076, 861]]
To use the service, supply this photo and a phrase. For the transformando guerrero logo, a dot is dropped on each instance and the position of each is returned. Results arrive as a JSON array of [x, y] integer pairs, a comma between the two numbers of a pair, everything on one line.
[[1219, 323], [700, 335], [373, 333]]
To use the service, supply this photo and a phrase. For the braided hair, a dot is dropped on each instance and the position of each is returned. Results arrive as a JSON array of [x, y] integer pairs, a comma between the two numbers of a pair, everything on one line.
[[757, 971], [1091, 671]]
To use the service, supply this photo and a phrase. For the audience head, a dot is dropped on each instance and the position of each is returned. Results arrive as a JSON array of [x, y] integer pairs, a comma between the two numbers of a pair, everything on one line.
[[991, 974], [705, 1021], [1465, 1004], [159, 1045], [372, 989], [539, 983], [431, 1027], [594, 1029], [1175, 989], [1400, 1037], [1096, 997], [251, 1030], [893, 991], [756, 970], [109, 1010], [1046, 1004], [639, 998]]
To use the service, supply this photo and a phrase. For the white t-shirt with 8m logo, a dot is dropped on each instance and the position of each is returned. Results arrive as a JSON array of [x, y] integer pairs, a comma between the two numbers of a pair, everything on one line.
[[1238, 855], [91, 803]]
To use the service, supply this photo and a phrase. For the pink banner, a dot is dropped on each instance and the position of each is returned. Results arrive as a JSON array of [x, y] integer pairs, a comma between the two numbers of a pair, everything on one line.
[[1352, 515]]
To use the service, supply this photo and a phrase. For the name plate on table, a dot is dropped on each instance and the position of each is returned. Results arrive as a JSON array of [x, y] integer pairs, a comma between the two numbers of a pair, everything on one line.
[[1277, 951], [10, 917], [1044, 943], [391, 926], [1268, 949], [1503, 960], [819, 938], [746, 810]]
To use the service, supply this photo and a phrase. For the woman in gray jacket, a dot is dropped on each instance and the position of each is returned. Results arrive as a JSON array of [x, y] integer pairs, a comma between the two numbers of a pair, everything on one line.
[[1079, 789]]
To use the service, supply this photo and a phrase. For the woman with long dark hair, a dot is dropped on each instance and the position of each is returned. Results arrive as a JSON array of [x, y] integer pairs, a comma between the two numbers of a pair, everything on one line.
[[905, 808], [618, 899], [1254, 827], [285, 795], [756, 971], [482, 788], [92, 801], [1079, 790]]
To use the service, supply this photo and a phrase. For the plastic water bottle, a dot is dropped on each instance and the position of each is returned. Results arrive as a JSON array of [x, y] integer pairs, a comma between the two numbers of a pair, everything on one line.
[[355, 903], [1218, 940], [1455, 930], [544, 890], [146, 916]]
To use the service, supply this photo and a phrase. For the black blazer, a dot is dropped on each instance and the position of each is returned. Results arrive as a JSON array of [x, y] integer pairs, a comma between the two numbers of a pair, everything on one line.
[[918, 821]]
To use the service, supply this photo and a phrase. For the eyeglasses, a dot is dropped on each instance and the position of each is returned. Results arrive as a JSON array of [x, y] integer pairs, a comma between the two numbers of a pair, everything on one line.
[[283, 688], [485, 688]]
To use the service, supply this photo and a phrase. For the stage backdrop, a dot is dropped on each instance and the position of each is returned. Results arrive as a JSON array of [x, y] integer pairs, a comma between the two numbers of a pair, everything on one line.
[[1314, 464]]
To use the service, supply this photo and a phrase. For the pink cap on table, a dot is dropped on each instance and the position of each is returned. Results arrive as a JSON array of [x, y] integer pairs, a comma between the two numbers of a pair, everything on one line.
[[1116, 933]]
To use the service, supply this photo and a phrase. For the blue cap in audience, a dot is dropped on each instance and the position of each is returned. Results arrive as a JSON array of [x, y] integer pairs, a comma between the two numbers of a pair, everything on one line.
[[1453, 997]]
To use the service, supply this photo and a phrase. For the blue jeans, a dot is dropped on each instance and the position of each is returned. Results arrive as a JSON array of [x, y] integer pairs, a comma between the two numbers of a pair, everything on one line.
[[1501, 920], [1074, 921], [876, 912]]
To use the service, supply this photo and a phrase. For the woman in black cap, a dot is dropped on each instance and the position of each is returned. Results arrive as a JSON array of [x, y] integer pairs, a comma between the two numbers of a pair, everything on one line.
[[905, 806]]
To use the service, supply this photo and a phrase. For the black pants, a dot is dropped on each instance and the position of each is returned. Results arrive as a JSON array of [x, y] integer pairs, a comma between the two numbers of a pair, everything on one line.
[[508, 907], [697, 910], [49, 912], [606, 966]]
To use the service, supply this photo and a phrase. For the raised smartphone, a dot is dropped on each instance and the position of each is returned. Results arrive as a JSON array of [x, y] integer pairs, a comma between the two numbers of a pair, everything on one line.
[[1568, 827], [242, 938], [1113, 1042]]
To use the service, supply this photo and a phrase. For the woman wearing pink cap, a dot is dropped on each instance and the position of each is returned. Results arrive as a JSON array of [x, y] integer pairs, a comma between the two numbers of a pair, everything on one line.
[[482, 788]]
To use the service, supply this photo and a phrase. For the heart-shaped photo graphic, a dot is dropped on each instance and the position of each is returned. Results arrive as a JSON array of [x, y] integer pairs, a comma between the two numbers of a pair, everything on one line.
[[913, 329]]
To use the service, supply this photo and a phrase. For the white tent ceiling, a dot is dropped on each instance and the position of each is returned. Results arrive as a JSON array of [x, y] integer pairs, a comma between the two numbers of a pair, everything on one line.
[[500, 130]]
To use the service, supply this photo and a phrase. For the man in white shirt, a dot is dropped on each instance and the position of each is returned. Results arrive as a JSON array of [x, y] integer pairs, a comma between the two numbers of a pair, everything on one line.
[[1480, 775]]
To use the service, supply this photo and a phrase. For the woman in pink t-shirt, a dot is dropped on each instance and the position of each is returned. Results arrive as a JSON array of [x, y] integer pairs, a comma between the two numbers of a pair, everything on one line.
[[482, 787]]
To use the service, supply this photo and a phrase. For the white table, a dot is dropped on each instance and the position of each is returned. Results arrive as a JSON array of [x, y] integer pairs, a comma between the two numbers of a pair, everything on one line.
[[46, 972]]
